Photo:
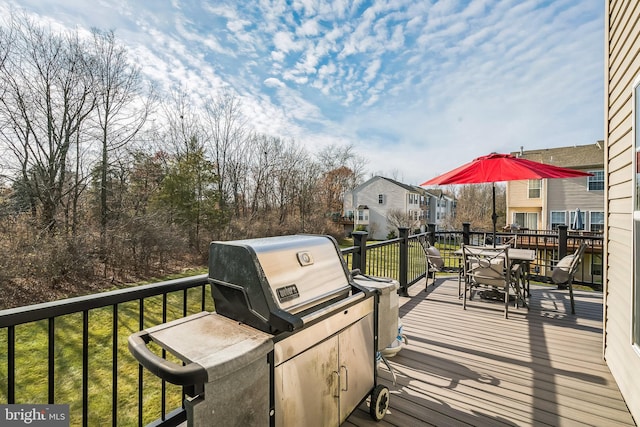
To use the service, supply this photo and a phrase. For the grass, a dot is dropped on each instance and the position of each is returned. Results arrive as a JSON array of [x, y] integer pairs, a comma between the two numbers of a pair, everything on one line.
[[32, 350], [31, 358], [32, 361]]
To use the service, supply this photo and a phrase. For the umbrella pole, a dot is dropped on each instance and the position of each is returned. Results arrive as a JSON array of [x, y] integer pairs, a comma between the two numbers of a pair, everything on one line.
[[494, 216]]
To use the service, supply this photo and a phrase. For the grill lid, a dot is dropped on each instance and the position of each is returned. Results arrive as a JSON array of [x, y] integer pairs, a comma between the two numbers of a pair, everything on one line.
[[269, 283]]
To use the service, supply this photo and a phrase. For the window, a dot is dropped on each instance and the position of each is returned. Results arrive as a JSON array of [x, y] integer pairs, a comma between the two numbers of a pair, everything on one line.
[[596, 221], [526, 220], [534, 188], [558, 218], [380, 199], [595, 182], [363, 215]]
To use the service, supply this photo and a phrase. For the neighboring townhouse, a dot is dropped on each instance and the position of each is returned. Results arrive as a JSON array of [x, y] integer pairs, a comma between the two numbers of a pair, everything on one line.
[[576, 202], [439, 206], [370, 204], [622, 196]]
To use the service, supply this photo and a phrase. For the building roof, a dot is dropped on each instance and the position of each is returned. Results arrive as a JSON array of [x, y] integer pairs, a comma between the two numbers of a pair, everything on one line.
[[411, 188], [405, 186], [576, 157]]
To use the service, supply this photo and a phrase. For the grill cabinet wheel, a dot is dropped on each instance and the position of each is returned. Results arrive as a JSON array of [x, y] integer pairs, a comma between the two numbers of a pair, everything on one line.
[[379, 402]]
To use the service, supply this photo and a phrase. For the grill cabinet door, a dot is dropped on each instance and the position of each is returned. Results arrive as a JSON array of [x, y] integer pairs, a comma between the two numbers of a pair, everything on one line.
[[307, 389], [356, 364]]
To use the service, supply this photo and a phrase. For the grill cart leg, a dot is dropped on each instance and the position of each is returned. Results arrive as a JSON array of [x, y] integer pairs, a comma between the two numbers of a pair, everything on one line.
[[379, 402]]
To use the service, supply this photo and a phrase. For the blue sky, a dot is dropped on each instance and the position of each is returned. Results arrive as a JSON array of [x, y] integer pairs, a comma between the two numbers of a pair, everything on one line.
[[418, 87]]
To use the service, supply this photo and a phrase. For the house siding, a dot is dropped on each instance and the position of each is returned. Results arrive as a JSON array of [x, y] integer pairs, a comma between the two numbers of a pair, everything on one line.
[[394, 197], [559, 195], [565, 193], [519, 195], [518, 201], [568, 194], [622, 67]]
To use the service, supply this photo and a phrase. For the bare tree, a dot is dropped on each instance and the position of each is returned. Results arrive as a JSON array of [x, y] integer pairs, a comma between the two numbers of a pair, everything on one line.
[[305, 186], [475, 206], [122, 107], [335, 156], [6, 41], [182, 123], [398, 218], [343, 170], [226, 134], [47, 99]]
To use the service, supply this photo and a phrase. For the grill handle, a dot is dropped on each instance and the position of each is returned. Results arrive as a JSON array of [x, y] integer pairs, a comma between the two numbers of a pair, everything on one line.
[[190, 374], [346, 378], [280, 320]]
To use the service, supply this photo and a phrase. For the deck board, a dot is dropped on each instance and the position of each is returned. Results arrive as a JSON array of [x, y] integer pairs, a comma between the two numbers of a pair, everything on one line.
[[541, 366]]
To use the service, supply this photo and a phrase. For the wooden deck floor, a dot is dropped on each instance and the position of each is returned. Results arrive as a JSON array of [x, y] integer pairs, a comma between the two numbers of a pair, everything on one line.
[[475, 368]]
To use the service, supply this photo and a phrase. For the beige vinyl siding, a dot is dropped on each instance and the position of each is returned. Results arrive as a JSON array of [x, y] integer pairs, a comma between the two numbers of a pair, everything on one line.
[[622, 67], [519, 194], [519, 201], [568, 194]]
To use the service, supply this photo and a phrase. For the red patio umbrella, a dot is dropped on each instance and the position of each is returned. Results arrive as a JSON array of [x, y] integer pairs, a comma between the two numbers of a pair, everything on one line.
[[501, 167]]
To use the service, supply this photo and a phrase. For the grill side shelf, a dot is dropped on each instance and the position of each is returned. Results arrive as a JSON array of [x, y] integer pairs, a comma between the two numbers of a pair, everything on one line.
[[190, 374]]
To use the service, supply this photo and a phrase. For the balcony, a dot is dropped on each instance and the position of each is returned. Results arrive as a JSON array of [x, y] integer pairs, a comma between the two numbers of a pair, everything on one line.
[[473, 367], [460, 367]]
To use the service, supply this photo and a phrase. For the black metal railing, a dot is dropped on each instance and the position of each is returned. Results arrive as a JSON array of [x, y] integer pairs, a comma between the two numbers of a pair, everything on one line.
[[550, 247], [74, 351], [401, 258], [80, 344]]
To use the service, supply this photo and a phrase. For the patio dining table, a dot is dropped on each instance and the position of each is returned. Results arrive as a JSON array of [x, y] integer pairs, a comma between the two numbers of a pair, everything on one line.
[[523, 257]]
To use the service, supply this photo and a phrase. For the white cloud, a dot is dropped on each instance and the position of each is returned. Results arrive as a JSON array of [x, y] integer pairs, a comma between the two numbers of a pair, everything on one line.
[[372, 70], [308, 28], [278, 55], [273, 82], [284, 42], [409, 82]]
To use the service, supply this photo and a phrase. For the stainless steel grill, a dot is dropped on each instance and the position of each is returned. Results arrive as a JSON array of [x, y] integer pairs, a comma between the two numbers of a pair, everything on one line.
[[271, 283], [294, 337]]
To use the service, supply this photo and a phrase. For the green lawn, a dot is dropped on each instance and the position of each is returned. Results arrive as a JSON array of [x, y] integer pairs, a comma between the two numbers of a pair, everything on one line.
[[32, 361], [32, 354]]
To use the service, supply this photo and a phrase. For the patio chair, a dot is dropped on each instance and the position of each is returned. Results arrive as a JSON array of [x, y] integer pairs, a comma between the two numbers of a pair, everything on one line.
[[511, 241], [435, 263], [491, 269], [565, 270]]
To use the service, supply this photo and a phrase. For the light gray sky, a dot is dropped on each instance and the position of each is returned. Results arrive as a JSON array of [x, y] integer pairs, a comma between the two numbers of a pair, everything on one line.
[[417, 86]]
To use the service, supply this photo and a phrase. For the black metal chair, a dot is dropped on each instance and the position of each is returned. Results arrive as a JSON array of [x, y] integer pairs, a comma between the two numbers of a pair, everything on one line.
[[491, 268], [435, 263], [565, 270]]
